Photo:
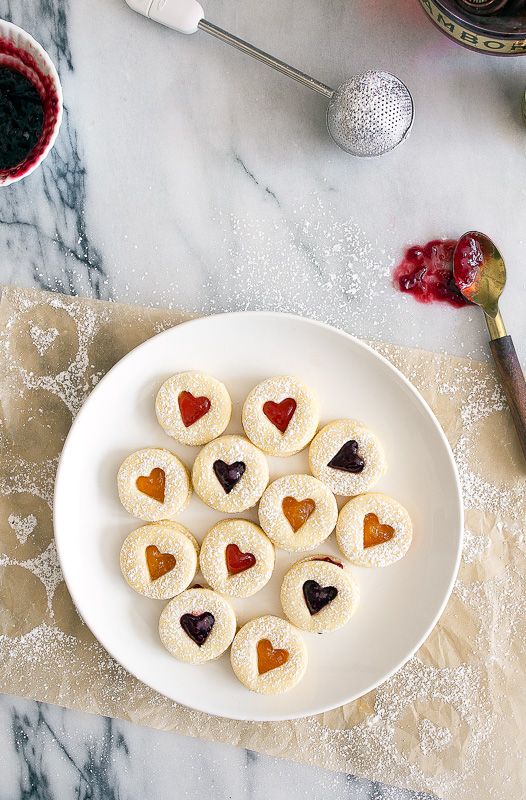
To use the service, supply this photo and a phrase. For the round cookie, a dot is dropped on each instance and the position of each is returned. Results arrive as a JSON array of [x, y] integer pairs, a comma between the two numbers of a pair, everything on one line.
[[268, 655], [318, 595], [159, 560], [236, 558], [347, 456], [197, 626], [193, 408], [280, 415], [297, 512], [373, 530], [230, 474], [153, 484]]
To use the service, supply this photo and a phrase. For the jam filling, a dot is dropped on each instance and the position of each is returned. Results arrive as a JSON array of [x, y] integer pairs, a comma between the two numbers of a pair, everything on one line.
[[280, 414], [192, 408], [297, 512], [268, 658], [347, 458], [153, 484], [237, 561], [21, 117], [158, 563], [374, 533], [426, 272], [469, 257], [229, 475], [317, 597], [329, 560], [198, 626]]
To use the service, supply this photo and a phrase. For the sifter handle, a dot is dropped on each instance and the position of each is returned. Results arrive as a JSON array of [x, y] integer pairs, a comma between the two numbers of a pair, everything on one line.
[[181, 15]]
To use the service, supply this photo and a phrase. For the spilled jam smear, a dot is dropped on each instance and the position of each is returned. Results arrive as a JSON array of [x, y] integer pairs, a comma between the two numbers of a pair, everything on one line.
[[426, 272]]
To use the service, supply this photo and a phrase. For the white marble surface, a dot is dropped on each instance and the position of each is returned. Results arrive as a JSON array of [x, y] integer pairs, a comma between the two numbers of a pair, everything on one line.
[[187, 175]]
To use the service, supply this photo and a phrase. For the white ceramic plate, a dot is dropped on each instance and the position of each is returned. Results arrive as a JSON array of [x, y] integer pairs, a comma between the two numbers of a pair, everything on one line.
[[399, 604]]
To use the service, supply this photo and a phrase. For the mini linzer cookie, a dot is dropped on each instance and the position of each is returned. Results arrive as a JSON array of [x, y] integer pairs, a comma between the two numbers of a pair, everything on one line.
[[159, 560], [268, 655], [193, 408], [230, 474], [197, 626], [318, 595], [280, 416], [373, 530], [236, 558], [297, 512], [347, 456], [153, 484]]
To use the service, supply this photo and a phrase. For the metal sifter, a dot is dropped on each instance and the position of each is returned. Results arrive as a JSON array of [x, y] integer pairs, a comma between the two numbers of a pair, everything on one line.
[[367, 115]]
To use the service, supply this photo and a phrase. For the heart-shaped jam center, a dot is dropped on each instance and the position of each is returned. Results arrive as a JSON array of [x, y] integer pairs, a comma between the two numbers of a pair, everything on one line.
[[158, 563], [268, 658], [280, 414], [347, 458], [192, 408], [229, 474], [152, 484], [237, 561], [317, 597], [198, 626], [297, 512], [374, 532]]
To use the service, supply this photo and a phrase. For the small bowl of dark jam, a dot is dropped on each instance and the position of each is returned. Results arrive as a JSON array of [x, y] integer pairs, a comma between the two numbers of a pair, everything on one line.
[[30, 104]]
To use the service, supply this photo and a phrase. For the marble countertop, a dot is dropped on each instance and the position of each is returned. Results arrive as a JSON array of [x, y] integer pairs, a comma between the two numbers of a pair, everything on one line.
[[187, 175]]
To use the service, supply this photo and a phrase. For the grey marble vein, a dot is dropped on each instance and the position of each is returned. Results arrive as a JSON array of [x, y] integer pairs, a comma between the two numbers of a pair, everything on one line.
[[47, 753]]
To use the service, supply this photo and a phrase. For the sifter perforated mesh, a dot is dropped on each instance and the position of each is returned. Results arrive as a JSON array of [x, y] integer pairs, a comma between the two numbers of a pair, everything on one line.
[[370, 114]]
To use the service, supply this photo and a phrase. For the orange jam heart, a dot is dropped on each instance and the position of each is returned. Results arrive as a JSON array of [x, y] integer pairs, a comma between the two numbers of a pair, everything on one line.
[[374, 533], [268, 658], [237, 561], [280, 414], [297, 511], [153, 484], [192, 408], [158, 563]]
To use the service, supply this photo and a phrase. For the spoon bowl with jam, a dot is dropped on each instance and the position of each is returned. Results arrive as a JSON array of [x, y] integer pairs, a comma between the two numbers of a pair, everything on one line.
[[480, 275]]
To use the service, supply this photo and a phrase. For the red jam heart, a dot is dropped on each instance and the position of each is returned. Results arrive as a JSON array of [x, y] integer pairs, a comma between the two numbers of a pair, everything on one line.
[[317, 597], [297, 512], [153, 484], [237, 561], [198, 626], [192, 408], [268, 658], [375, 533], [158, 563], [280, 414]]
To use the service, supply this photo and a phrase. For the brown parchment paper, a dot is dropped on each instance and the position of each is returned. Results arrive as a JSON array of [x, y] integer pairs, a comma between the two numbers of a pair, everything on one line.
[[452, 721]]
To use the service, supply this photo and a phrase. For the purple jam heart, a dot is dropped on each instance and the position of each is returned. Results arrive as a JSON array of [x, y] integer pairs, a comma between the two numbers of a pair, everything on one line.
[[198, 626], [317, 597], [347, 458], [229, 474]]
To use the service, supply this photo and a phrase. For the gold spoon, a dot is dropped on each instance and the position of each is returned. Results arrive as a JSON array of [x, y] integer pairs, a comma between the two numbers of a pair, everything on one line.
[[480, 274]]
